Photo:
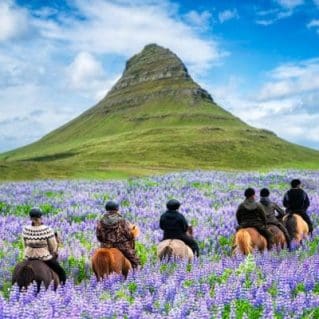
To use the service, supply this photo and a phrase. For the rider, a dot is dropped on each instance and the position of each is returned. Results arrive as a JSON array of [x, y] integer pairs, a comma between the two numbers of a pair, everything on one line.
[[252, 214], [270, 209], [175, 225], [113, 231], [297, 201], [41, 243]]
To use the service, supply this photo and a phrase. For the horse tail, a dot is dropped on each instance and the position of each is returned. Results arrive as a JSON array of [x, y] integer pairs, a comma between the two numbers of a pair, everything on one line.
[[101, 263], [166, 253], [25, 276], [291, 225], [243, 241]]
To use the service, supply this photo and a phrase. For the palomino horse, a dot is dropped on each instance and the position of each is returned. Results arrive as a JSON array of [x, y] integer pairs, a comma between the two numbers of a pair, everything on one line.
[[297, 228], [248, 239], [108, 260], [175, 248], [28, 271]]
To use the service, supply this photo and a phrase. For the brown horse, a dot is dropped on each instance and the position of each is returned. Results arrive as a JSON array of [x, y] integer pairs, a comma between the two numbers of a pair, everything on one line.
[[108, 260], [175, 248], [297, 228], [28, 271], [278, 237], [248, 239]]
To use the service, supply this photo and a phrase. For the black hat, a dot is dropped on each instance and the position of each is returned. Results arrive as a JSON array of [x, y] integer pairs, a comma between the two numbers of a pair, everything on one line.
[[295, 183], [173, 204], [264, 192], [110, 205], [249, 192], [35, 213]]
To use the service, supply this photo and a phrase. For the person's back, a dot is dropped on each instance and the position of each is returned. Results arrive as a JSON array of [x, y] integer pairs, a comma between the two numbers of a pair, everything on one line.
[[270, 209], [41, 243], [113, 231], [297, 201], [175, 225], [251, 214]]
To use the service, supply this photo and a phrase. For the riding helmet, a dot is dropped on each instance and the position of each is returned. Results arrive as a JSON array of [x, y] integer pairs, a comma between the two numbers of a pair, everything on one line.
[[35, 213], [110, 206], [173, 204], [264, 192], [249, 192]]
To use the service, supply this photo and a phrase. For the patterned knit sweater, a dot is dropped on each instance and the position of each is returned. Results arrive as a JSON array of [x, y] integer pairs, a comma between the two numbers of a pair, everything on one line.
[[40, 242]]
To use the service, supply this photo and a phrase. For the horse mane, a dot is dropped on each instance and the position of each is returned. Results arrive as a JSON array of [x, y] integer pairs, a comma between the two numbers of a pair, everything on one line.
[[166, 253], [291, 225]]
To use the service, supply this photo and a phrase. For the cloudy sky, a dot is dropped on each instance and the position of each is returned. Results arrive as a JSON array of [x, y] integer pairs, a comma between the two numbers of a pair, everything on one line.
[[258, 59]]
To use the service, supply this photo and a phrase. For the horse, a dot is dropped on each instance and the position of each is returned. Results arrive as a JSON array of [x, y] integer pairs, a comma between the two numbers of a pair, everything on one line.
[[108, 260], [248, 239], [297, 228], [175, 248], [36, 270], [278, 237]]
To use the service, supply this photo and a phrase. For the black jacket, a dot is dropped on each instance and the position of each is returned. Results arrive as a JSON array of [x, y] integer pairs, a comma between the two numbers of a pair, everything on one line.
[[296, 200], [250, 214], [173, 223], [270, 209]]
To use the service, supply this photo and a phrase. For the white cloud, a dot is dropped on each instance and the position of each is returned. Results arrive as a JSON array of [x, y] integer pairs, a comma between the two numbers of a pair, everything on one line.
[[286, 10], [313, 24], [199, 20], [292, 79], [287, 103], [13, 21], [66, 66], [86, 75], [228, 15], [290, 4]]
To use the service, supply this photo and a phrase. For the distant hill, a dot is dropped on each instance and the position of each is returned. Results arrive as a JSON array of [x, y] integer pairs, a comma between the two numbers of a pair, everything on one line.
[[154, 119]]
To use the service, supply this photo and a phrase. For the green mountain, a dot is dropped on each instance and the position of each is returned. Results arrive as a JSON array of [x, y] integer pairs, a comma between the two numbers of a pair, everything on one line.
[[154, 119]]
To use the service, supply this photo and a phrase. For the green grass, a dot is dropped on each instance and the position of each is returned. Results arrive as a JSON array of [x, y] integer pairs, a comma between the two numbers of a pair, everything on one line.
[[162, 134]]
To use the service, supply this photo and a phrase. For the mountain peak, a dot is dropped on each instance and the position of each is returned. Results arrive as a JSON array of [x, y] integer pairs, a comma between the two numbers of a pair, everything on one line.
[[152, 63], [154, 69]]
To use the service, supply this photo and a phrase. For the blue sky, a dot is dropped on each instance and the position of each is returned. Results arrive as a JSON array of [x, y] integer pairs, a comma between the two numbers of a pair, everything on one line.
[[258, 59]]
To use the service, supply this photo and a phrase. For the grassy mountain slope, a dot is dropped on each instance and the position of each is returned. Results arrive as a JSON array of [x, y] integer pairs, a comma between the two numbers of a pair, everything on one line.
[[155, 119]]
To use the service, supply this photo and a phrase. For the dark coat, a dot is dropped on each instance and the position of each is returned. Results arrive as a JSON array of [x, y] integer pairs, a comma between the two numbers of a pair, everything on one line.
[[114, 231], [173, 223], [296, 200], [270, 209], [251, 214]]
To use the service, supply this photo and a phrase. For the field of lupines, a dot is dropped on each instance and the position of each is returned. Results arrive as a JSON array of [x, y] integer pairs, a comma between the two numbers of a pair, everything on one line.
[[217, 285]]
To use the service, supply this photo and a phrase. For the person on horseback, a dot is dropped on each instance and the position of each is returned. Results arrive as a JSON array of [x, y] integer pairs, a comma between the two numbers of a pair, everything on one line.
[[175, 225], [270, 209], [41, 243], [297, 201], [252, 214], [113, 231]]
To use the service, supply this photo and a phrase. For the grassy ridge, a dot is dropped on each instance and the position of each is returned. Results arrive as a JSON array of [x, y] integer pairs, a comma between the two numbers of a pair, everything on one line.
[[142, 143]]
